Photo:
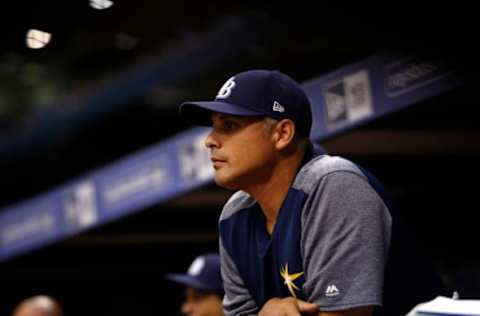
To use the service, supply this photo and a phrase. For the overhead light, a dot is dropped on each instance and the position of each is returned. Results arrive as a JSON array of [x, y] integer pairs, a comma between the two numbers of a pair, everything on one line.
[[101, 4], [37, 39]]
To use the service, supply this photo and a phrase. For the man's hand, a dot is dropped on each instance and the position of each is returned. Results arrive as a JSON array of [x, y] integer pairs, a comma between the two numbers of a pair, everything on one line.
[[288, 306]]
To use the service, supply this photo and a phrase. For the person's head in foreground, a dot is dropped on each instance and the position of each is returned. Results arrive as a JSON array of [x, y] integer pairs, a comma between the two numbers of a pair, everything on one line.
[[260, 122], [203, 286], [40, 305]]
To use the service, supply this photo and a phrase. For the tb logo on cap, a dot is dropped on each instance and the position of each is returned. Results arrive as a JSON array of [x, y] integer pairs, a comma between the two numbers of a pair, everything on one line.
[[197, 266], [226, 89]]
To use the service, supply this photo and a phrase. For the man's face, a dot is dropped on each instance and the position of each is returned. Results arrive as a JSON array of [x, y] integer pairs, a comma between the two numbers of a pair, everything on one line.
[[241, 150], [201, 303]]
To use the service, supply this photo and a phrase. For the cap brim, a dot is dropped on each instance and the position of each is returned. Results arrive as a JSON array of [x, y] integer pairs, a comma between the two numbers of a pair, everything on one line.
[[199, 113], [188, 280]]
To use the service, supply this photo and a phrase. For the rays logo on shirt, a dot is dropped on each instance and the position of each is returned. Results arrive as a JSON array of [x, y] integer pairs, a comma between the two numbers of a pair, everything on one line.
[[289, 278]]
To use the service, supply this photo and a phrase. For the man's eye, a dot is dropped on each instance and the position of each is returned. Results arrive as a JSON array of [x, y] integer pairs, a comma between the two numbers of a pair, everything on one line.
[[229, 126]]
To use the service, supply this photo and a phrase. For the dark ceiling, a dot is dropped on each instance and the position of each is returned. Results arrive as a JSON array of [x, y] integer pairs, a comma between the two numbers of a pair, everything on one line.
[[54, 125], [70, 107]]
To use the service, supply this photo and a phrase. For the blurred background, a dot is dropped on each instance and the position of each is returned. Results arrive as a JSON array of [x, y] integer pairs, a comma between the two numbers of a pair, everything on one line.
[[101, 80]]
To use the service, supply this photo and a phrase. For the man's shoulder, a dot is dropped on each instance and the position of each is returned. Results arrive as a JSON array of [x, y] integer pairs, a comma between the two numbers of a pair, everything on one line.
[[240, 200], [317, 168]]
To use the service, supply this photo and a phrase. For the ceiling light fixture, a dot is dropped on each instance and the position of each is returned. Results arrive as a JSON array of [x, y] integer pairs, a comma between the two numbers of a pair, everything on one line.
[[37, 39], [101, 4]]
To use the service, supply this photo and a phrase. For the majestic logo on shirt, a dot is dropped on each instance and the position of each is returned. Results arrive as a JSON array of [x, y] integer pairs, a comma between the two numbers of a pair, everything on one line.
[[331, 290], [289, 278]]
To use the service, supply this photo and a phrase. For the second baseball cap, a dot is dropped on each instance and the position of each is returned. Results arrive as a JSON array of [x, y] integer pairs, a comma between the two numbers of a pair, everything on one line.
[[203, 274], [255, 93]]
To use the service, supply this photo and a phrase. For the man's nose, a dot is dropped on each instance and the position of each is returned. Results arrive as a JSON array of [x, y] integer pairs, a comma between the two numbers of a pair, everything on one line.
[[211, 141]]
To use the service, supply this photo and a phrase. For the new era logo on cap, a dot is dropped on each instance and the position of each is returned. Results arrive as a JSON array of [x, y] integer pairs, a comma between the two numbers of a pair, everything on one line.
[[277, 107]]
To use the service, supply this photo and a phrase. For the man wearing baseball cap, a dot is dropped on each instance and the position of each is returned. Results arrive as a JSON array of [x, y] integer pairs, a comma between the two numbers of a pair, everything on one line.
[[203, 286], [306, 232]]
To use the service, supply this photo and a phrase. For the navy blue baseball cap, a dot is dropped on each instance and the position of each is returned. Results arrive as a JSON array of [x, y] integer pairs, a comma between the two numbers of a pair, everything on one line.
[[255, 93], [203, 274]]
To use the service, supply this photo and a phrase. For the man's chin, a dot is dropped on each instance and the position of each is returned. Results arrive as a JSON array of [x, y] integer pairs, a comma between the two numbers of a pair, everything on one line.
[[224, 182]]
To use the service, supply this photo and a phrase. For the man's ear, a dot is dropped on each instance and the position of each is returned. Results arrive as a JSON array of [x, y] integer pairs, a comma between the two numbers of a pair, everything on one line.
[[284, 132]]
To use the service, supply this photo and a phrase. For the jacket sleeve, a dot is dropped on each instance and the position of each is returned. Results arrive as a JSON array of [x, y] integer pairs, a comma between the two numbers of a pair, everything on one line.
[[346, 230]]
